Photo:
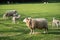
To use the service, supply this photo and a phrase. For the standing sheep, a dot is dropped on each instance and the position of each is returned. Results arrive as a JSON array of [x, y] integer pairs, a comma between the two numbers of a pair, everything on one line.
[[40, 23], [15, 17], [9, 13], [13, 14], [55, 22]]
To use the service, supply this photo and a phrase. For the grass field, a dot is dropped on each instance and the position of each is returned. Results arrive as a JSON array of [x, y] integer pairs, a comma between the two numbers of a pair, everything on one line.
[[10, 31]]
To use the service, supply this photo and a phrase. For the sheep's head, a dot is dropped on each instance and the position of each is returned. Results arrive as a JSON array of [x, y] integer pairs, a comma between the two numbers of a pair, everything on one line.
[[27, 19], [18, 16]]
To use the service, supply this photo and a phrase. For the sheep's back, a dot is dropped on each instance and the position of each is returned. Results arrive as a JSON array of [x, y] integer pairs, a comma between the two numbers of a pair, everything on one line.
[[39, 23]]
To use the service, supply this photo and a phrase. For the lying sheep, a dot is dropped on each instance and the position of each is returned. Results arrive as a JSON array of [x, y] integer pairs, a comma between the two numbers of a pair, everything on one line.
[[40, 23], [9, 13], [55, 22]]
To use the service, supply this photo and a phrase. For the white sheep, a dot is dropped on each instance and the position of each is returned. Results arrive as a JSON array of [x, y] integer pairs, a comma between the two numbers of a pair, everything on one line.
[[13, 14], [9, 13], [15, 17], [55, 22], [33, 23]]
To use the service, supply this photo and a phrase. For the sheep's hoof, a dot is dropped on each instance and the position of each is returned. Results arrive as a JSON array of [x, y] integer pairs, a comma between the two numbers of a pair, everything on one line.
[[33, 33], [45, 32], [37, 33], [30, 33]]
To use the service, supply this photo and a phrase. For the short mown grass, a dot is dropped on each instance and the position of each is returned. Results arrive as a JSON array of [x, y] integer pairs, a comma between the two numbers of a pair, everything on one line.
[[19, 31]]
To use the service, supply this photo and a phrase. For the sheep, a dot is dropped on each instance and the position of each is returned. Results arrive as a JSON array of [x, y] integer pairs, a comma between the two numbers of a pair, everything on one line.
[[33, 23], [15, 17], [55, 22], [13, 14], [9, 13]]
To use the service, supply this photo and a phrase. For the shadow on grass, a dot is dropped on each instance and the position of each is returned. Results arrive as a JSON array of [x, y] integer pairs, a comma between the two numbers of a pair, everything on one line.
[[17, 36], [16, 29], [23, 34], [5, 38]]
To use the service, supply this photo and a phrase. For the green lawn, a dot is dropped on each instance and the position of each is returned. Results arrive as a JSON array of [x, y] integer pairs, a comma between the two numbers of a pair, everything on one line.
[[10, 31]]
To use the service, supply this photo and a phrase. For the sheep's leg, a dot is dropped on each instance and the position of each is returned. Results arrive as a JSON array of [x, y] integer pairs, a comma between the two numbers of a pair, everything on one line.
[[53, 24], [13, 20], [4, 16], [57, 25], [32, 31], [46, 30]]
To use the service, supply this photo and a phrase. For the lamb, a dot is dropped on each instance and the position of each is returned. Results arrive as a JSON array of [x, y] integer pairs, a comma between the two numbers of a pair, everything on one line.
[[15, 17], [9, 13], [55, 22], [33, 23]]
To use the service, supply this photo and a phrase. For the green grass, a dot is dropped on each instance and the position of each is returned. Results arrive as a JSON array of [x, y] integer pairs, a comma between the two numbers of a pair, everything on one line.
[[10, 31]]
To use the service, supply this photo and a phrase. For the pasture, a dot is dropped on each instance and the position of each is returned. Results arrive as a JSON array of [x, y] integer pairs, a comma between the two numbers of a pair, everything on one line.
[[19, 31]]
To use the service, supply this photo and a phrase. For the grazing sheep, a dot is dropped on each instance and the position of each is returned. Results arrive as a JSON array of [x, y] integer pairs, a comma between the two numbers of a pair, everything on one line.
[[9, 13], [55, 22], [33, 23], [13, 14], [15, 17]]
